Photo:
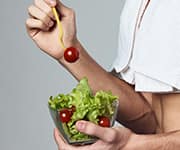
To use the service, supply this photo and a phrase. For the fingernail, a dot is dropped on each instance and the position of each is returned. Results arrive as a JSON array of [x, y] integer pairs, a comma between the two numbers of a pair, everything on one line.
[[80, 125]]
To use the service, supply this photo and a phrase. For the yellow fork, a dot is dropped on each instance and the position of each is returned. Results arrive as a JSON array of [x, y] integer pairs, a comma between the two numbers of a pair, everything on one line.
[[59, 26]]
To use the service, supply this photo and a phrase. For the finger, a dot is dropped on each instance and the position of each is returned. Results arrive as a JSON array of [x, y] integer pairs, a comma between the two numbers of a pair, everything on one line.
[[41, 4], [51, 3], [105, 134], [39, 14], [32, 23], [61, 8], [60, 141]]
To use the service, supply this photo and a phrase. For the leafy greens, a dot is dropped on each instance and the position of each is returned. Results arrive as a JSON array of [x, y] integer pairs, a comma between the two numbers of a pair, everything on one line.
[[88, 107]]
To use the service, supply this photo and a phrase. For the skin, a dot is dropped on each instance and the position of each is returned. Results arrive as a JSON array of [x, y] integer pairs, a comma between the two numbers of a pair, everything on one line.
[[149, 119]]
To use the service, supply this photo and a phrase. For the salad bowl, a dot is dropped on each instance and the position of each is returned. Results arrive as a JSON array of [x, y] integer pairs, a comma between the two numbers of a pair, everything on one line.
[[80, 104]]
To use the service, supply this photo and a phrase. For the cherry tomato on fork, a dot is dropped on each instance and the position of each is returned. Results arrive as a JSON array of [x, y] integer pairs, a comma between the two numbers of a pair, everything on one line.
[[71, 54]]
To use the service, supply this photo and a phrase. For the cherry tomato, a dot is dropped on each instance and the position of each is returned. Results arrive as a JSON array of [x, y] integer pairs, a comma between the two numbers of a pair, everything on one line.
[[65, 115], [71, 54], [104, 121]]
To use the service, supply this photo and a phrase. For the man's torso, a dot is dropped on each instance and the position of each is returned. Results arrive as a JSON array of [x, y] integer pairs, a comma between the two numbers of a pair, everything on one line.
[[166, 109]]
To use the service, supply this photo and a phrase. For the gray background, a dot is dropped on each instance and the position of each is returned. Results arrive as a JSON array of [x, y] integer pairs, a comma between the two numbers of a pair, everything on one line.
[[28, 76]]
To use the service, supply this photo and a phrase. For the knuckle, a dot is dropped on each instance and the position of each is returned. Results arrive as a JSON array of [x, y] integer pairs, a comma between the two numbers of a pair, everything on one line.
[[30, 8], [112, 136], [90, 128], [27, 22], [43, 26], [45, 18]]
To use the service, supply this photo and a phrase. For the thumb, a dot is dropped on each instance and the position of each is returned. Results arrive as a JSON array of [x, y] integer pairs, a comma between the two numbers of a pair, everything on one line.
[[64, 10], [106, 134]]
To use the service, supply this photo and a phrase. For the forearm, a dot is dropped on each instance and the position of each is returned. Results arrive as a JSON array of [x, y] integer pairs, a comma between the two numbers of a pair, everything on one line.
[[85, 66], [166, 141], [132, 104]]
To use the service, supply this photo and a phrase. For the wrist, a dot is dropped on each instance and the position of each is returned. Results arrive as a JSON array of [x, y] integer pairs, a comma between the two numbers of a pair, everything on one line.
[[137, 142]]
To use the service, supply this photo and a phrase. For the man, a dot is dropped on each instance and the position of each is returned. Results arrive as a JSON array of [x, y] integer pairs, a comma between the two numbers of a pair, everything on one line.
[[149, 99]]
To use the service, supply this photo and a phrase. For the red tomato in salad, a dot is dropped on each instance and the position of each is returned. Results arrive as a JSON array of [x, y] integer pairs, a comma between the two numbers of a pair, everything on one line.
[[65, 115], [104, 121], [71, 54]]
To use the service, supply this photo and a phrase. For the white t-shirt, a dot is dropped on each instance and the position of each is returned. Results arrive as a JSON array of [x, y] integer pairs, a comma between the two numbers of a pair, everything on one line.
[[149, 45]]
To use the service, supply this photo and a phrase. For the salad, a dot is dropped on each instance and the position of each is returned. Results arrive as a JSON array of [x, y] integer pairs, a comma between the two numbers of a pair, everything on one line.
[[81, 104]]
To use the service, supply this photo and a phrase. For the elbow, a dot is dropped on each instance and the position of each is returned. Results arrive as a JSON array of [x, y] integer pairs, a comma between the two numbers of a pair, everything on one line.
[[145, 124]]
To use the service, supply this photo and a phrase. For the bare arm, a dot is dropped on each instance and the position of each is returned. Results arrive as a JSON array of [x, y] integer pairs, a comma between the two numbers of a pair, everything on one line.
[[166, 141], [134, 111]]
